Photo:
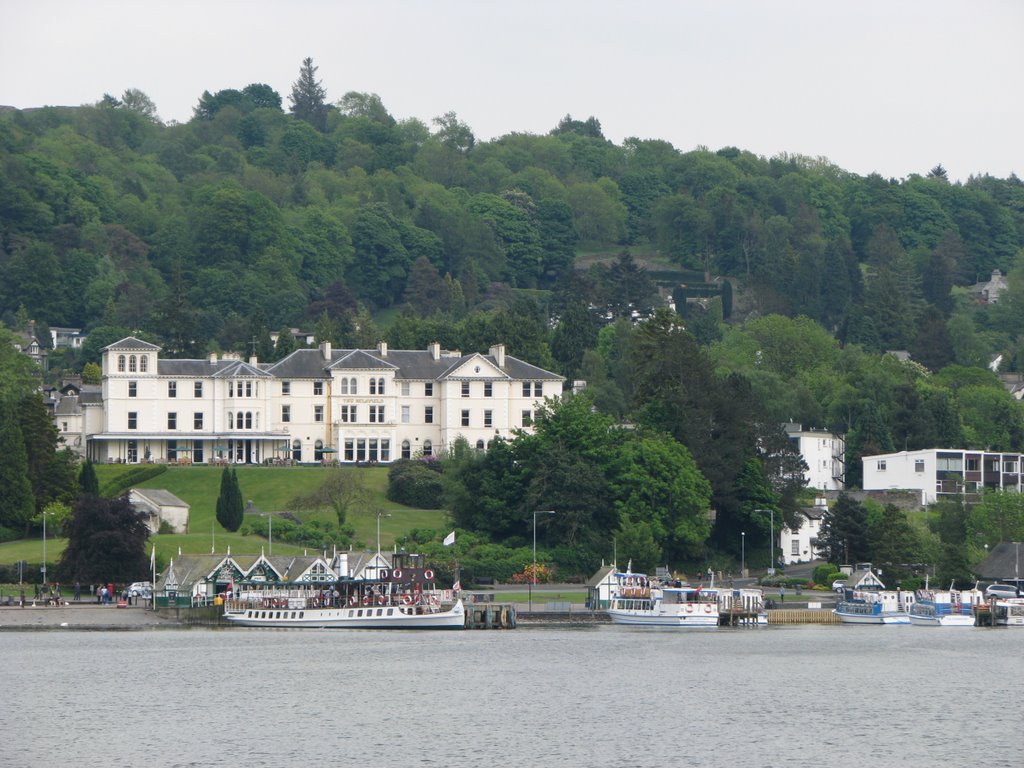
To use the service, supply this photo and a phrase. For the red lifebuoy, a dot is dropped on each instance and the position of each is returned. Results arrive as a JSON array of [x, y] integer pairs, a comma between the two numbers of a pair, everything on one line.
[[397, 574], [428, 574], [689, 608], [707, 608], [407, 599], [366, 600], [384, 574]]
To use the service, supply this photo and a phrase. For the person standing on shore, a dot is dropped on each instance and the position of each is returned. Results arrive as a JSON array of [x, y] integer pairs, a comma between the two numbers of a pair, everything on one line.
[[78, 592], [782, 594]]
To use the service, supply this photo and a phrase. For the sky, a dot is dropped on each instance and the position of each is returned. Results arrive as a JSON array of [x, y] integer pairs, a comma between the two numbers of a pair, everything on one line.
[[893, 87]]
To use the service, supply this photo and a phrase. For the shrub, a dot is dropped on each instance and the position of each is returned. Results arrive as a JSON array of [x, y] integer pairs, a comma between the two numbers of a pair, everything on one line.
[[415, 484], [122, 482]]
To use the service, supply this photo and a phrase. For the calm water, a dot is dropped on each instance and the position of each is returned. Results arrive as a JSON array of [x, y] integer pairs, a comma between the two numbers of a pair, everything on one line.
[[599, 696]]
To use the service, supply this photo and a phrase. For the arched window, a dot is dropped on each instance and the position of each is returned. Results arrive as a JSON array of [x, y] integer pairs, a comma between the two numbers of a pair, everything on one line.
[[406, 450], [479, 445], [239, 420], [380, 386], [144, 363], [318, 450], [231, 420], [428, 448], [353, 389], [373, 386], [248, 419], [132, 362], [120, 363], [296, 450]]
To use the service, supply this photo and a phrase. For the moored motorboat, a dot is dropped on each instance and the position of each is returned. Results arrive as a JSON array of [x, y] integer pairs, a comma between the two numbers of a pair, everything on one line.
[[874, 607], [944, 608], [1008, 612], [638, 600]]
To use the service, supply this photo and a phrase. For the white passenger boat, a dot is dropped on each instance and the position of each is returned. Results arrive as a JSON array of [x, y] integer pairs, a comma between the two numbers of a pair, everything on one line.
[[639, 601], [875, 607], [399, 598], [944, 607], [1008, 612]]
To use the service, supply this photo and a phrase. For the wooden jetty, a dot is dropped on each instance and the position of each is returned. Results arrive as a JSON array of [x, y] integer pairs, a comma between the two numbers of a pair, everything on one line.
[[490, 616]]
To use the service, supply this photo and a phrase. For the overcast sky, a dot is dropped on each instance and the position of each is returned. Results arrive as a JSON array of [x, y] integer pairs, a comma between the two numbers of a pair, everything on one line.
[[886, 86]]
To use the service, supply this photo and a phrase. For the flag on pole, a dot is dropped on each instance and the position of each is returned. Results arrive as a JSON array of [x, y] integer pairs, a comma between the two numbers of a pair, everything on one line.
[[449, 539]]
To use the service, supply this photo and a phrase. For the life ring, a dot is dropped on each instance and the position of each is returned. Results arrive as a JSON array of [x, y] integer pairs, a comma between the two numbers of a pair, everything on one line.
[[384, 574], [689, 608], [707, 608], [366, 600], [407, 599], [380, 600], [397, 574], [428, 574]]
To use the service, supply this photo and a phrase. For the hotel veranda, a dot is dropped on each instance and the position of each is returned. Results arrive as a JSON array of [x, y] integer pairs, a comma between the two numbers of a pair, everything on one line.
[[315, 405]]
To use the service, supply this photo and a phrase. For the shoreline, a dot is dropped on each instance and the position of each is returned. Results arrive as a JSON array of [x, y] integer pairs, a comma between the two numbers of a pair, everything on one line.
[[90, 616]]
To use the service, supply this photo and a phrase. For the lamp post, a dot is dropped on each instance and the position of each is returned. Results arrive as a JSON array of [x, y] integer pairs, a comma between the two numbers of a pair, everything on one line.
[[771, 544], [380, 514], [43, 569], [533, 574], [743, 553], [270, 531]]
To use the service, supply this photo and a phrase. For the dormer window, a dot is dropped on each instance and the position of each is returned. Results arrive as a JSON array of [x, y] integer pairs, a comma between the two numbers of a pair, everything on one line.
[[120, 363]]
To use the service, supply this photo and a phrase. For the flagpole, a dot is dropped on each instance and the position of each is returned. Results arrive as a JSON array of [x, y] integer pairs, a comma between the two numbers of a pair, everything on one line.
[[152, 588]]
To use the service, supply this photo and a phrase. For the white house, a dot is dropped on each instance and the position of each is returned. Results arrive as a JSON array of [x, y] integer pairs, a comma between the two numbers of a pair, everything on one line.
[[160, 506], [801, 545], [824, 453], [315, 405], [943, 473]]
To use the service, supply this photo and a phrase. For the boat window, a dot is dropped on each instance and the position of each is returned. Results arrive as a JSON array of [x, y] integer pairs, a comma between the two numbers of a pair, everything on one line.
[[301, 614], [390, 611]]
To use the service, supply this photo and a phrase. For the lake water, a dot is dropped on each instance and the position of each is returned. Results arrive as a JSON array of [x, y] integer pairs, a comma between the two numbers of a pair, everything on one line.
[[596, 696]]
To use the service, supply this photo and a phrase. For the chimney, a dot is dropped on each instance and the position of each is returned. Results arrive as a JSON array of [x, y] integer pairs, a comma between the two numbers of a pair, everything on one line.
[[382, 348], [213, 358], [325, 349], [498, 353], [435, 350], [253, 360]]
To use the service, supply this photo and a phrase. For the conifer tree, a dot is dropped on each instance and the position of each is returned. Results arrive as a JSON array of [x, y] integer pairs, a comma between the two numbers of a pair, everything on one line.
[[229, 502], [17, 503], [88, 483], [309, 99]]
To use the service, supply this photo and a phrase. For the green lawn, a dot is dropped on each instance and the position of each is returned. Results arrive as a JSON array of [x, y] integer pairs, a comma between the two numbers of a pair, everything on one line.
[[270, 489]]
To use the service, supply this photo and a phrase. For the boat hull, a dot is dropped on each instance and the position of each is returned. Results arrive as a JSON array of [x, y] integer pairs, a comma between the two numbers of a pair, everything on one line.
[[652, 619], [389, 617], [948, 620], [872, 618]]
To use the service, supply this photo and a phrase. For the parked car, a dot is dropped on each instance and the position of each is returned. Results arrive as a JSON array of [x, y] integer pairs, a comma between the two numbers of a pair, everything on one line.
[[839, 585], [141, 589], [1002, 590]]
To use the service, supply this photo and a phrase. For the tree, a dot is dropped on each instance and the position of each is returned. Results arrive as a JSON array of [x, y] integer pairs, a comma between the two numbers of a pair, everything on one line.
[[844, 532], [343, 492], [136, 101], [87, 480], [50, 471], [230, 510], [106, 542], [894, 542], [308, 98], [17, 504]]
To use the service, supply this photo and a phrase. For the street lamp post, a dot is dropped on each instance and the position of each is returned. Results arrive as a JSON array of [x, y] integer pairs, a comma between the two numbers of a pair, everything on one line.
[[743, 553], [771, 544], [43, 569], [533, 574]]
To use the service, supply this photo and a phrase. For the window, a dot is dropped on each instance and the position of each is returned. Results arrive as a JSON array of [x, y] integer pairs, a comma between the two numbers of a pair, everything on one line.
[[318, 413], [428, 414], [465, 389], [318, 387], [348, 413], [405, 414], [405, 389], [286, 413], [406, 450], [794, 547], [133, 389], [538, 389], [353, 388], [248, 389], [465, 418], [972, 465], [63, 426], [350, 449], [120, 363], [197, 452], [526, 389], [296, 450], [132, 364], [231, 389], [881, 465], [172, 389], [428, 448], [133, 451], [479, 445], [197, 389], [133, 420], [240, 420], [197, 420], [318, 450], [372, 453], [376, 386], [919, 465], [143, 363], [172, 420], [380, 386], [488, 389], [488, 419], [172, 450], [286, 387], [385, 450], [376, 414], [373, 386], [428, 389], [231, 420], [527, 418], [1009, 466]]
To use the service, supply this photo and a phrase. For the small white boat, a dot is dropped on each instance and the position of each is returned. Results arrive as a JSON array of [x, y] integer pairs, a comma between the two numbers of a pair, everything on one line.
[[638, 601], [875, 607], [1008, 612], [944, 608]]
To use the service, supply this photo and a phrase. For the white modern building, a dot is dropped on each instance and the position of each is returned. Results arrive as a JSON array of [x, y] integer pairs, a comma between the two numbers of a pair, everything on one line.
[[315, 405], [824, 454], [943, 473]]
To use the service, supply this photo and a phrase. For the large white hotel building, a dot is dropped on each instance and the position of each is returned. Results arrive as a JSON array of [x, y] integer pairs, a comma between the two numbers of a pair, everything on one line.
[[315, 405]]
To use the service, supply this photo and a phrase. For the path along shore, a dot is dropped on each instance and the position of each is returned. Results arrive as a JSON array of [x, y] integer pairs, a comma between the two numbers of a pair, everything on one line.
[[81, 616]]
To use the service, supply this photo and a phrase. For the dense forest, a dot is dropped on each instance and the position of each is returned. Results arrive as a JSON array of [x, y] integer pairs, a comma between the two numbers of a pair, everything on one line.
[[790, 278]]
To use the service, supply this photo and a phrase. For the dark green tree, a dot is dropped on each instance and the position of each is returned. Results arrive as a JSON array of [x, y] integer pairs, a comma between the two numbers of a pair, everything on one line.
[[17, 504], [50, 471], [893, 541], [230, 509], [844, 535], [308, 97], [106, 542], [88, 483]]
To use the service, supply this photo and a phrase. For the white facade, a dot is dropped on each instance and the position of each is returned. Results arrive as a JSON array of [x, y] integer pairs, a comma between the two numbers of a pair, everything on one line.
[[938, 473], [316, 405], [801, 545], [824, 453]]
